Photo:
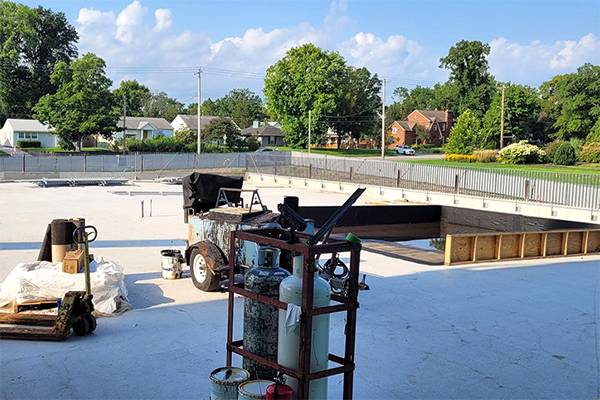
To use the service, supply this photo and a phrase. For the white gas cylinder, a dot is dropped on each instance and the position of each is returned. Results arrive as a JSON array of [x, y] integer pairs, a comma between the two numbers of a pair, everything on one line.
[[290, 291]]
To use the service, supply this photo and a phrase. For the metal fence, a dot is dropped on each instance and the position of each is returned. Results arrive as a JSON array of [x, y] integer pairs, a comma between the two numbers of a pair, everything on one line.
[[574, 190], [137, 162]]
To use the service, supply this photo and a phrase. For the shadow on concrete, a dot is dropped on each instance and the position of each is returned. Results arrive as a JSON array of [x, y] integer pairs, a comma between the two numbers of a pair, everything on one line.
[[144, 294]]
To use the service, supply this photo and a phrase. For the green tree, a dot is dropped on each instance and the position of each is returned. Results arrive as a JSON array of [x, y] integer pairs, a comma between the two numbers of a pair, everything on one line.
[[186, 136], [222, 130], [521, 116], [465, 135], [572, 102], [356, 115], [83, 104], [241, 105], [159, 105], [305, 79], [468, 66], [32, 41], [135, 94]]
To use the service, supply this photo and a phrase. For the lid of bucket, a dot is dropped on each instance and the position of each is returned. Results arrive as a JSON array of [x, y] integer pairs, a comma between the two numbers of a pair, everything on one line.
[[255, 389], [229, 375]]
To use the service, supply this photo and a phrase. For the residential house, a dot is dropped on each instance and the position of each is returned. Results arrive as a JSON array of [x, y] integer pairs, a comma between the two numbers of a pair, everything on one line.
[[269, 134], [182, 122], [143, 128], [436, 124], [27, 130]]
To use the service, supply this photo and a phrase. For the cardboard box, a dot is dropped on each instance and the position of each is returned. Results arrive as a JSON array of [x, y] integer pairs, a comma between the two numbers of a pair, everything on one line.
[[73, 262]]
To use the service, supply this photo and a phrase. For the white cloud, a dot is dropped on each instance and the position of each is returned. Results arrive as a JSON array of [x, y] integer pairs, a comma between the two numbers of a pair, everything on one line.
[[162, 17], [538, 61], [129, 21]]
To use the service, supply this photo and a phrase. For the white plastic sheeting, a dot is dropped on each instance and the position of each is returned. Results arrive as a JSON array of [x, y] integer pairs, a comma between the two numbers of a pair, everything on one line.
[[43, 280]]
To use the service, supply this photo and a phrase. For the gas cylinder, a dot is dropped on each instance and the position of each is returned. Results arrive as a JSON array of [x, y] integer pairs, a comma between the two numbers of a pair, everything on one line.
[[290, 291], [260, 319]]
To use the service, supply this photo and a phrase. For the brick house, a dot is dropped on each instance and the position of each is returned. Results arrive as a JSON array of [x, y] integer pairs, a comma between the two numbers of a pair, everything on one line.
[[436, 123]]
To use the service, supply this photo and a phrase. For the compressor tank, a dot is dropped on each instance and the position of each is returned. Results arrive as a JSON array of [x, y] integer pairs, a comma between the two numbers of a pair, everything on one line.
[[290, 291], [260, 319]]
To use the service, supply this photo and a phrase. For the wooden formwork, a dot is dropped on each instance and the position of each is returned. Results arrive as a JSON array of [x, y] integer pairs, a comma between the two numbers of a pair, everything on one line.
[[480, 247]]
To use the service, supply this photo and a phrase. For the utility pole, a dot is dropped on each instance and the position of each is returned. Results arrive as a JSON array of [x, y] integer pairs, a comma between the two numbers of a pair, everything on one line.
[[383, 120], [309, 112], [124, 120], [199, 130], [502, 121]]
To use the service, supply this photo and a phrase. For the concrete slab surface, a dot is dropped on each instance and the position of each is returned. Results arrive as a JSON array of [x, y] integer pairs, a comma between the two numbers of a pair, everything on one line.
[[518, 330]]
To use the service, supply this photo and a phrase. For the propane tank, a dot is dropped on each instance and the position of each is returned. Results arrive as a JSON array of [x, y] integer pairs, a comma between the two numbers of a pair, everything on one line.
[[290, 291], [260, 319]]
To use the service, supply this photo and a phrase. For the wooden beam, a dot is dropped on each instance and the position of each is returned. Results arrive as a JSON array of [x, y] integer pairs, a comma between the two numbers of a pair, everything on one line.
[[565, 243], [584, 242]]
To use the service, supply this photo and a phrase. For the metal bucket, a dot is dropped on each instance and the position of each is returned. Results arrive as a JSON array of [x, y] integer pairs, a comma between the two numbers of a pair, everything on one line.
[[170, 264], [252, 390], [225, 382]]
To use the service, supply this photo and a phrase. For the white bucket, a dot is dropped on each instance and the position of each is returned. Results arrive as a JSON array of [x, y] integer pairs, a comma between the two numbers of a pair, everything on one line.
[[170, 264], [252, 390], [225, 382]]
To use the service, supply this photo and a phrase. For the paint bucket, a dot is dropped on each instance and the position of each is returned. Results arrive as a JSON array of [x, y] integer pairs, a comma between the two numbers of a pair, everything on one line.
[[225, 382], [253, 390], [170, 264], [279, 391]]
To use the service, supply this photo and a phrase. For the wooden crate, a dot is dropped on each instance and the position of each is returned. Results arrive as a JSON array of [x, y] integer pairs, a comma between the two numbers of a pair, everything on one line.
[[73, 262]]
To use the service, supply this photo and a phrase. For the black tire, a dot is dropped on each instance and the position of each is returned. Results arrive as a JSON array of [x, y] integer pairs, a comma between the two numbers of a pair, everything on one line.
[[81, 327], [213, 261], [92, 322]]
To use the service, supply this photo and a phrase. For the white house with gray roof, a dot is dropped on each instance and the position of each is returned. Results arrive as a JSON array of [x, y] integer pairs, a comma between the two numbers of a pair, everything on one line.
[[143, 128], [27, 130], [183, 122]]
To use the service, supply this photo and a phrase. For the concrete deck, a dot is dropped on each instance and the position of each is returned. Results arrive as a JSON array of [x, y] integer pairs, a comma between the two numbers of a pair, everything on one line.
[[509, 330]]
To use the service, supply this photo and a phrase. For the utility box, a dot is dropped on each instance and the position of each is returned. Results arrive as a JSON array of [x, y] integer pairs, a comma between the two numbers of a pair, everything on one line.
[[73, 262]]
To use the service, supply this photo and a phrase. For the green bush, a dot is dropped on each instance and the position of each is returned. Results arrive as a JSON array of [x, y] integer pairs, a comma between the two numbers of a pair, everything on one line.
[[522, 153], [590, 153], [594, 135], [29, 144], [252, 143], [551, 148], [186, 136], [465, 135], [565, 155]]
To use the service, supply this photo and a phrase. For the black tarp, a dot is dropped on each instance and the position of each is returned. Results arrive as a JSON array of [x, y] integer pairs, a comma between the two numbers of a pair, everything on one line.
[[200, 191]]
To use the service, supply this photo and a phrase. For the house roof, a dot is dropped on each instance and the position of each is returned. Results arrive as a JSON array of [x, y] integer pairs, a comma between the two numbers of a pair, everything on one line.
[[28, 125], [434, 115], [139, 122], [267, 130], [405, 125], [192, 121]]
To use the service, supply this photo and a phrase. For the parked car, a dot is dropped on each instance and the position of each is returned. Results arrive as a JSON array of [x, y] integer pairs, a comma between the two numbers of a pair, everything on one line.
[[405, 150], [263, 149]]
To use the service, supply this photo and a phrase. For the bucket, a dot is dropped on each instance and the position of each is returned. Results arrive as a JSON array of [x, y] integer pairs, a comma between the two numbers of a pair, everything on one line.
[[225, 382], [170, 264], [279, 391], [252, 390]]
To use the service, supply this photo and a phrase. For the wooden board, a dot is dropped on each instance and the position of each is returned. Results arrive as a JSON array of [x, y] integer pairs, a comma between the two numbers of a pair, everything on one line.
[[478, 247]]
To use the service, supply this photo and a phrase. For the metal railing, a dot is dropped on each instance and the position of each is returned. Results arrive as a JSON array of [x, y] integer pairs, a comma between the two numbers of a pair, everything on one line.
[[574, 190]]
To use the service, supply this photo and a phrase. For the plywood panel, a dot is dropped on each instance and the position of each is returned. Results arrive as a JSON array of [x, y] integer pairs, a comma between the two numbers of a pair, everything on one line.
[[461, 248], [575, 243], [509, 247], [486, 247], [533, 245], [594, 242], [554, 244]]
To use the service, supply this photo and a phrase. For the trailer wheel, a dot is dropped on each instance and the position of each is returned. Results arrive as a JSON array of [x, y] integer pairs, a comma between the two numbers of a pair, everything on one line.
[[204, 260]]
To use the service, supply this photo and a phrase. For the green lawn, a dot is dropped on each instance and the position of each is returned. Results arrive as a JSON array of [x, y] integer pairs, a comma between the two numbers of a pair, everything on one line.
[[98, 150], [3, 153], [341, 152], [592, 169]]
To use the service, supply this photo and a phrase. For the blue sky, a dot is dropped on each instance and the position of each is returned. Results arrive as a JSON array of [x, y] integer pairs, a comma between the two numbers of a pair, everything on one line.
[[161, 42]]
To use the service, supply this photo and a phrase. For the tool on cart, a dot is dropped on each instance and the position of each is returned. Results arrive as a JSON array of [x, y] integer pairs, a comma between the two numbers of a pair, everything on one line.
[[74, 310]]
